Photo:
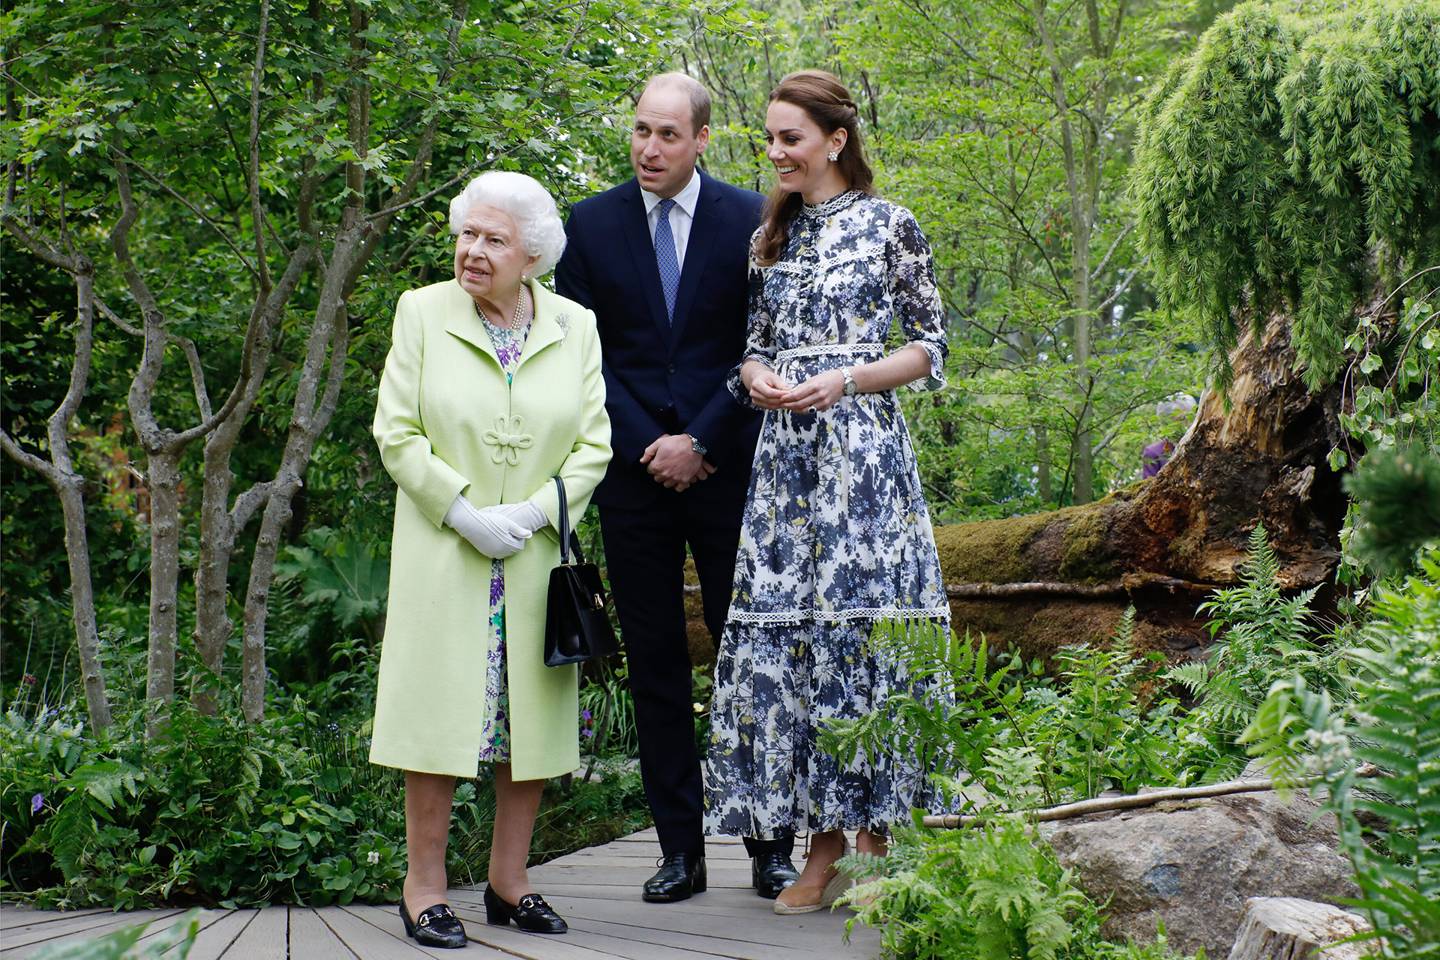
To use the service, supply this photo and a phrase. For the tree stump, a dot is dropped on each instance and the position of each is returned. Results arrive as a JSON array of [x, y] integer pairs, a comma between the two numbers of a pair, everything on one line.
[[1285, 928], [1162, 545]]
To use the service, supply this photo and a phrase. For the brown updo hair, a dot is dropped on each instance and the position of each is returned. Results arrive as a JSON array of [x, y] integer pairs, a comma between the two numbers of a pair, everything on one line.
[[828, 105]]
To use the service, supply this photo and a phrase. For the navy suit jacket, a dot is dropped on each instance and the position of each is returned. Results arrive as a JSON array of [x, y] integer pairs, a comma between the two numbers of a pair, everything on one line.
[[663, 377]]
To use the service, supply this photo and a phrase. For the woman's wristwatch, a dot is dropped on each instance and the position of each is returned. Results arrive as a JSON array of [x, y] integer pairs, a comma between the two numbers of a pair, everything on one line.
[[851, 387]]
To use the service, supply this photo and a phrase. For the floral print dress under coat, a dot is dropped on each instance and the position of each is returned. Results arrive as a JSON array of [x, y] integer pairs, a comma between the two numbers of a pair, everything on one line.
[[509, 343], [836, 534]]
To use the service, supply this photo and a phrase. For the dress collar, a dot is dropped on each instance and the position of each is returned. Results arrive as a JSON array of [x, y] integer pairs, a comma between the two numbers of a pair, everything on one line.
[[832, 206]]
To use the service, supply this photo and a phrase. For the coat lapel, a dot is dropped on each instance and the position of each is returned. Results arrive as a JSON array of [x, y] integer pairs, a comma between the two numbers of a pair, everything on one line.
[[550, 325], [461, 321], [697, 254], [636, 229]]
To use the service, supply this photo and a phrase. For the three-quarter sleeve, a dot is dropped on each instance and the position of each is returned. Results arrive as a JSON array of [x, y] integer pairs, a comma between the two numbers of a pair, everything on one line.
[[759, 336], [916, 295], [405, 449]]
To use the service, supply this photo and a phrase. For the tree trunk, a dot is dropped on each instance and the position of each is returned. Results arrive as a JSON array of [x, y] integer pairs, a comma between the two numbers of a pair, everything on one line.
[[82, 602], [1285, 928], [1162, 544], [60, 471], [310, 415], [162, 476]]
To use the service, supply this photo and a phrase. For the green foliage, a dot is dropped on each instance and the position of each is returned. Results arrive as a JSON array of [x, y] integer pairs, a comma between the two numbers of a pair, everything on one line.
[[1385, 718], [1089, 730], [1272, 162], [220, 811], [213, 809], [125, 943], [992, 892], [1398, 509], [607, 712], [1259, 635]]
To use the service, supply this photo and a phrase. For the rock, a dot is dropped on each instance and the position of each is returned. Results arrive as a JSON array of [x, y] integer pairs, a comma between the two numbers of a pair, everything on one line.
[[1194, 864], [1284, 928]]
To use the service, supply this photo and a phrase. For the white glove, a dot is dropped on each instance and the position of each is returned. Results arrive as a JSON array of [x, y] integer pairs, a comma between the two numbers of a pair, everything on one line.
[[526, 514], [489, 530]]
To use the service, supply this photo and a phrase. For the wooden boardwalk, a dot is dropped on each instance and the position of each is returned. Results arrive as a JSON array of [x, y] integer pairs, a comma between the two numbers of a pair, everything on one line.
[[596, 890]]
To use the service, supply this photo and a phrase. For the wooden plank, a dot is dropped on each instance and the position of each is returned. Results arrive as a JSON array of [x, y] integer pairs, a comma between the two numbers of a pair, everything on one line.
[[26, 940], [632, 949], [385, 922], [216, 937], [505, 941], [369, 942], [560, 872], [15, 915], [312, 939], [265, 937], [642, 943], [758, 925]]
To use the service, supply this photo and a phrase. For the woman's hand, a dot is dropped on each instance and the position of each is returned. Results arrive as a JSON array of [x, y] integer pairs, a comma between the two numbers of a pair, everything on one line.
[[767, 388], [820, 392], [489, 530]]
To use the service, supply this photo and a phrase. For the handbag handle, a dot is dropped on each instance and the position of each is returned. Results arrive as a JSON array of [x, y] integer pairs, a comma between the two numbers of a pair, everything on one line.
[[569, 542]]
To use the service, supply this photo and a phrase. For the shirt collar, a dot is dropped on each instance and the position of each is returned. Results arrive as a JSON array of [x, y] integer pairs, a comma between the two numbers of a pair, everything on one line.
[[686, 199]]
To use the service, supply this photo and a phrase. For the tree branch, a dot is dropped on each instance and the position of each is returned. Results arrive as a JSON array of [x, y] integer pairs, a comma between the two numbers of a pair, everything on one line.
[[1082, 808], [257, 215]]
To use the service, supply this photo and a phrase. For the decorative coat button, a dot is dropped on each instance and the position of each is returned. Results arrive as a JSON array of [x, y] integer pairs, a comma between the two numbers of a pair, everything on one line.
[[508, 439]]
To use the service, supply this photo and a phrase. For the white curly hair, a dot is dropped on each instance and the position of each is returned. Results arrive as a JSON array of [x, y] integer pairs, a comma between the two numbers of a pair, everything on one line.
[[524, 199]]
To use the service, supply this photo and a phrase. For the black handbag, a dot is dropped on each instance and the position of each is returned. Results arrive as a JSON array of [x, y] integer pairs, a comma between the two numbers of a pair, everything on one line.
[[576, 625]]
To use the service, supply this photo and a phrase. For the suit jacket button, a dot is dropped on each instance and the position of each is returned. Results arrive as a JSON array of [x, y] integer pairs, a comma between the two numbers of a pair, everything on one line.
[[671, 368]]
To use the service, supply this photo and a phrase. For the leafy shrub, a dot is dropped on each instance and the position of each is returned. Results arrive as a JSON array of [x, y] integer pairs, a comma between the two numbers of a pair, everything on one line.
[[1258, 636], [986, 892], [213, 810], [1385, 716], [1091, 728]]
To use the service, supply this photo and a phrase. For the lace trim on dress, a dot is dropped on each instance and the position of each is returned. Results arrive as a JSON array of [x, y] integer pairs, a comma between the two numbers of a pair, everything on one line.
[[832, 206], [838, 616], [830, 349]]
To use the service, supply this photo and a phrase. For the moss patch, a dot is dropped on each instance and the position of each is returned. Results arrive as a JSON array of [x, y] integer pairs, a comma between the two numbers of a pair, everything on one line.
[[989, 551], [1088, 555]]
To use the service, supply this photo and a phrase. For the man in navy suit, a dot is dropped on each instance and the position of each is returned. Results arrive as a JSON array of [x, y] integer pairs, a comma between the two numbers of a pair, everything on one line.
[[661, 259]]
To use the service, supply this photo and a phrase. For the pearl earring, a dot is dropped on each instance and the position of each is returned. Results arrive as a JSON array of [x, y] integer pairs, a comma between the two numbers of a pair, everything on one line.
[[833, 155]]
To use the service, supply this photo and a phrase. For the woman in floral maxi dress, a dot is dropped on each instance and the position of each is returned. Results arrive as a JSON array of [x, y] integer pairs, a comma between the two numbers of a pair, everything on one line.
[[836, 533]]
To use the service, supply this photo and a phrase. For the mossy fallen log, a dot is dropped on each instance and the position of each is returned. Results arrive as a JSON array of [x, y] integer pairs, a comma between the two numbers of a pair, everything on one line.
[[1042, 581]]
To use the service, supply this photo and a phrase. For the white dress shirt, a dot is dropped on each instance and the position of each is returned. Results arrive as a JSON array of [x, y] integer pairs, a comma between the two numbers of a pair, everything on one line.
[[682, 215]]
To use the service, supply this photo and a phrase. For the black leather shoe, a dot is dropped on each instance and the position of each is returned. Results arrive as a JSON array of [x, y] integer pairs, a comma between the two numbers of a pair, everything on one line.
[[679, 876], [770, 873], [532, 914], [436, 926]]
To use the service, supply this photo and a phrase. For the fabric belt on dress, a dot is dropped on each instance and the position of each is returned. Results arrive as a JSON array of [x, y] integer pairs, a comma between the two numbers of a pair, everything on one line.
[[832, 349]]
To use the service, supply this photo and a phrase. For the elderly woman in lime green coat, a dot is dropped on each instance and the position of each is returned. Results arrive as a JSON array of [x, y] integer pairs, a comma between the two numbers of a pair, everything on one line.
[[491, 388]]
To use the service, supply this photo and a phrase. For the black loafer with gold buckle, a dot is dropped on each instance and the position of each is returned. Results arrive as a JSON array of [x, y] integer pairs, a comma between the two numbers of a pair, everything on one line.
[[436, 926], [532, 914]]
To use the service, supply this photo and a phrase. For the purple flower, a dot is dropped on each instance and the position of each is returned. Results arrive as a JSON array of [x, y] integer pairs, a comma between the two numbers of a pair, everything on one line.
[[585, 715], [37, 802], [497, 590], [588, 732]]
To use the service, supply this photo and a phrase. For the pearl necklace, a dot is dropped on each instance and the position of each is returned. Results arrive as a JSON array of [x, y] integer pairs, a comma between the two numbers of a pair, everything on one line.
[[515, 315]]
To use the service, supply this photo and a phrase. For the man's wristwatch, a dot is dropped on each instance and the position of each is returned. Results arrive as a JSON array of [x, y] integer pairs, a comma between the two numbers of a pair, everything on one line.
[[851, 387], [696, 446]]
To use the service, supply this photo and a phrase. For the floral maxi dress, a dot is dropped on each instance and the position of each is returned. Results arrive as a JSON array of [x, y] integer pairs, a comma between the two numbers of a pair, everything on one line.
[[836, 534], [509, 343]]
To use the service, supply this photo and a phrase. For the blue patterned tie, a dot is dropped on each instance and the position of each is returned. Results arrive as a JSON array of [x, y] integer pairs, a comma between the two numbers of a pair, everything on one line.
[[665, 258]]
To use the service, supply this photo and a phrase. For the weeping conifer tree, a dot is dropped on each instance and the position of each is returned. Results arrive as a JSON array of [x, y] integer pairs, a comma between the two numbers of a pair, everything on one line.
[[1287, 186]]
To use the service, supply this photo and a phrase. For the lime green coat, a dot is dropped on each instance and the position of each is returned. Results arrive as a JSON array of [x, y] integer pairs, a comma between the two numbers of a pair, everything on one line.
[[447, 422]]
